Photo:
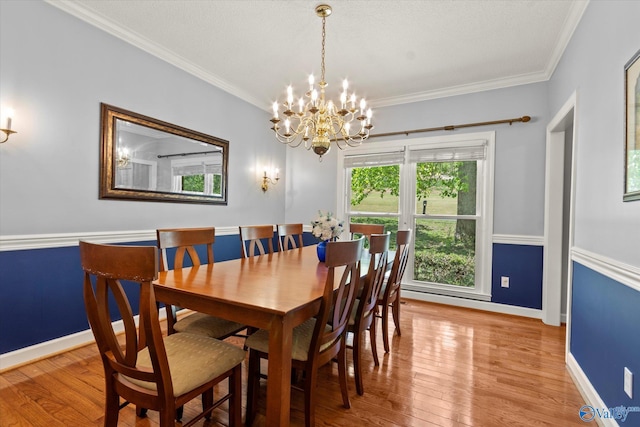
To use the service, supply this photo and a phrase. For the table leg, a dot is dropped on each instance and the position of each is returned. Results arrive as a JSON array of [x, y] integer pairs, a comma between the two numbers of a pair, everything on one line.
[[279, 373]]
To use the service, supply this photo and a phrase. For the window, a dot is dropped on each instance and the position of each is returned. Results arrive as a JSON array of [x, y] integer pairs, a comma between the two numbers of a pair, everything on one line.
[[373, 190], [197, 175], [441, 188]]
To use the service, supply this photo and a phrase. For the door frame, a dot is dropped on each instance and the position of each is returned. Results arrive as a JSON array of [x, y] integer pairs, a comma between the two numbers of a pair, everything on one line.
[[553, 212]]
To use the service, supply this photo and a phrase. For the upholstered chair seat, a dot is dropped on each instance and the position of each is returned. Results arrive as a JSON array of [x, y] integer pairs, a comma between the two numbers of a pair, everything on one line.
[[193, 360], [301, 341]]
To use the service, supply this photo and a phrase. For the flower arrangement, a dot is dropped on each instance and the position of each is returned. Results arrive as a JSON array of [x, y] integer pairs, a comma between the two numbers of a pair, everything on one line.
[[326, 227]]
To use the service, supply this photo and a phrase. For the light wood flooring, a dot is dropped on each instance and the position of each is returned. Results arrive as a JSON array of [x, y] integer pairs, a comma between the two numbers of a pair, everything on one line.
[[451, 367]]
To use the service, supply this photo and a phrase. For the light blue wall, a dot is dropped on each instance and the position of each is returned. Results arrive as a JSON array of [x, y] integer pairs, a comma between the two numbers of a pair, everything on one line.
[[55, 71], [593, 67]]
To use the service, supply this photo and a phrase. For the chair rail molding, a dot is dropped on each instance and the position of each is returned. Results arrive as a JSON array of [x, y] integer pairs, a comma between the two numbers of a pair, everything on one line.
[[515, 239], [60, 240], [624, 273]]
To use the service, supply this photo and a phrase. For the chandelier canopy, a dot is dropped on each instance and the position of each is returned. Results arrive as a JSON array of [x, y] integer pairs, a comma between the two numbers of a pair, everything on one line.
[[317, 121]]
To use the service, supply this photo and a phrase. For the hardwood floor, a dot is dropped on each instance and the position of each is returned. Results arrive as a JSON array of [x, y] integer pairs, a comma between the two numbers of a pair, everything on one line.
[[451, 367]]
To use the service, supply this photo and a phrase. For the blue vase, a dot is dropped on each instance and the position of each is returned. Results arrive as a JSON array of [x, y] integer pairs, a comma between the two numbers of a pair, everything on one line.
[[321, 249]]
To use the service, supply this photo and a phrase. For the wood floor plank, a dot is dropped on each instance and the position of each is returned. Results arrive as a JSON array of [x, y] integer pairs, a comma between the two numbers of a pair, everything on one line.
[[452, 367]]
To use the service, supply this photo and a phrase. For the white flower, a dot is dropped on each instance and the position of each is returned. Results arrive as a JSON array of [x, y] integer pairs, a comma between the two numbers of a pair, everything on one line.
[[326, 227]]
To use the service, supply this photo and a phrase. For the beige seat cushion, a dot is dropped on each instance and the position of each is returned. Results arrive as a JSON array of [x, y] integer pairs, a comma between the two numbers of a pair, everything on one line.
[[354, 311], [302, 335], [203, 324], [193, 360]]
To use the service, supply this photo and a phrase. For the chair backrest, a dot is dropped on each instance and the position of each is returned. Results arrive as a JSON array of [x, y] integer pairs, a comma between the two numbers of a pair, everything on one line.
[[327, 342], [252, 235], [287, 234], [365, 229], [185, 240], [379, 251], [403, 238], [106, 269]]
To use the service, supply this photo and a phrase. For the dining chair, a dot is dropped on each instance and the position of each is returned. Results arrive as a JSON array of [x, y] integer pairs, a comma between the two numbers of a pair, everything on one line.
[[147, 369], [363, 314], [365, 229], [390, 293], [251, 239], [287, 234], [319, 340], [185, 241]]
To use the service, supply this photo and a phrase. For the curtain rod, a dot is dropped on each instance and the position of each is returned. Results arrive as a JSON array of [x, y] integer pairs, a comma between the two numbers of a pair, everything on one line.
[[522, 119], [166, 156]]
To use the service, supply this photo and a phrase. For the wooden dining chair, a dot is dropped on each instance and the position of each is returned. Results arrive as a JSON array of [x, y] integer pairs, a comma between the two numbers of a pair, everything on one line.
[[319, 340], [150, 371], [185, 241], [390, 293], [363, 314], [251, 239], [365, 229], [287, 234]]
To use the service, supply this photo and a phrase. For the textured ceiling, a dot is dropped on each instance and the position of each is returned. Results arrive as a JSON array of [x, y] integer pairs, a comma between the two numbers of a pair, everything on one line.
[[391, 51]]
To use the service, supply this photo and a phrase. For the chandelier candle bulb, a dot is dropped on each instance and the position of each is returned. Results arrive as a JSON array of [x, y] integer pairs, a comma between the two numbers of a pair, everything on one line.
[[8, 118]]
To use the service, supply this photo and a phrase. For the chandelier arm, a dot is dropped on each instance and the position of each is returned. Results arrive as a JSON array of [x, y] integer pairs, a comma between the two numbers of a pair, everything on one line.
[[291, 140]]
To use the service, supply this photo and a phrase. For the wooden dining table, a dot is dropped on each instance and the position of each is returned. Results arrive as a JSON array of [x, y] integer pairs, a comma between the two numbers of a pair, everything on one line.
[[275, 292]]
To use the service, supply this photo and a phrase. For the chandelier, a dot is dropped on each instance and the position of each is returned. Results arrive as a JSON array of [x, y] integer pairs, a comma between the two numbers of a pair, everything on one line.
[[122, 157], [316, 121]]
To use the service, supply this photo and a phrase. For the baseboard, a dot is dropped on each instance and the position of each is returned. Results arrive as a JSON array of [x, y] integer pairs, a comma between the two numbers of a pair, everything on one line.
[[45, 349], [479, 305], [50, 348], [590, 395]]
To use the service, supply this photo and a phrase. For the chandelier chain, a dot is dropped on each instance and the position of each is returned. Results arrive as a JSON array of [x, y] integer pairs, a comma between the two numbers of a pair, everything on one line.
[[324, 20]]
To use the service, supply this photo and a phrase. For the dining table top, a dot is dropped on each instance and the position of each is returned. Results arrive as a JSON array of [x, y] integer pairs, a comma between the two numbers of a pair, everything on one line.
[[279, 283]]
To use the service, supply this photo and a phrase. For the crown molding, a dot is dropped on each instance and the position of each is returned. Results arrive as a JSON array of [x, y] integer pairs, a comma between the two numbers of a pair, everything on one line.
[[461, 89], [577, 10]]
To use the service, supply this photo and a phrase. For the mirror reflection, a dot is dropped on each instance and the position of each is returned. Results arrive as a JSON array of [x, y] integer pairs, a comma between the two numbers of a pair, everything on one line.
[[159, 161]]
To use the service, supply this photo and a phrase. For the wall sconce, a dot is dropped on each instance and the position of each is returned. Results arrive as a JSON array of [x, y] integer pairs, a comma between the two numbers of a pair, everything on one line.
[[6, 124], [266, 179]]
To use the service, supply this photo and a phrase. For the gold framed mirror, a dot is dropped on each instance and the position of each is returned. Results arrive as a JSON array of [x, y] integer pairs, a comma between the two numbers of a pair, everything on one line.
[[142, 158]]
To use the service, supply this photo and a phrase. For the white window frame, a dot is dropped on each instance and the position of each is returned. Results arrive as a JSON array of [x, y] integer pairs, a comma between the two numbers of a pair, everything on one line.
[[406, 208], [176, 180]]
